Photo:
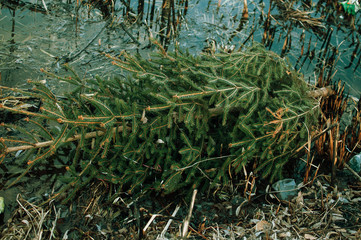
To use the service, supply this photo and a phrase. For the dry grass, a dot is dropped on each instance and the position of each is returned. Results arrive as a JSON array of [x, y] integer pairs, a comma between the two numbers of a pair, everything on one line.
[[317, 212], [303, 18], [30, 221]]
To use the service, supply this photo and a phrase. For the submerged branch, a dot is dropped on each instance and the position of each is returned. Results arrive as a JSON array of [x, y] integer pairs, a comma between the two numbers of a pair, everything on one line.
[[70, 58]]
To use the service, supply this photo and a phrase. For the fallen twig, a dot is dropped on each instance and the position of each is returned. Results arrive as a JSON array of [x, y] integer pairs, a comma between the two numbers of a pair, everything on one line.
[[169, 222]]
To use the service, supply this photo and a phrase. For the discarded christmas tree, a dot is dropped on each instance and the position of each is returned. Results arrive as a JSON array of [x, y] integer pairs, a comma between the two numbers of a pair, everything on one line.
[[175, 122]]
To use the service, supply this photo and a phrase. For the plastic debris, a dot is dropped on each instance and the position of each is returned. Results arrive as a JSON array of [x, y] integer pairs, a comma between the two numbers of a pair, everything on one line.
[[355, 163], [286, 188], [351, 6]]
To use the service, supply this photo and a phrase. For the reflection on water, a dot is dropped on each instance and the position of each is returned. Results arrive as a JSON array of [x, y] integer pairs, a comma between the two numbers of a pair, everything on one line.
[[31, 40], [314, 35]]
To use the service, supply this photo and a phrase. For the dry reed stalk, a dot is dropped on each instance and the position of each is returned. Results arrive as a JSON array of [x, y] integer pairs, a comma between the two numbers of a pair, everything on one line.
[[245, 9], [188, 218]]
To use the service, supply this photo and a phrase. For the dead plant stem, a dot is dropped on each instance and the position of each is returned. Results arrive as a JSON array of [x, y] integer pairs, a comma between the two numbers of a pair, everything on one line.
[[353, 172], [188, 218], [317, 136], [169, 222], [334, 161]]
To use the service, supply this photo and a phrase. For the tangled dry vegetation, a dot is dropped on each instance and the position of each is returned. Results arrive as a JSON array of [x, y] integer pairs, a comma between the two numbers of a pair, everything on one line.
[[317, 212], [297, 16]]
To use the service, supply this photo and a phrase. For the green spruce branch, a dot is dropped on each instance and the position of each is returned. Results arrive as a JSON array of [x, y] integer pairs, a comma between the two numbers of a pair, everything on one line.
[[170, 121]]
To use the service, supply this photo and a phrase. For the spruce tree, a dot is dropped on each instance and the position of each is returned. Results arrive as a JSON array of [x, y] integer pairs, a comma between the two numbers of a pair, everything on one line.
[[173, 122]]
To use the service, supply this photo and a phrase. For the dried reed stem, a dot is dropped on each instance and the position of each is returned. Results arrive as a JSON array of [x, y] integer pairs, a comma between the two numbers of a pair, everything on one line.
[[334, 154], [188, 218], [353, 172], [169, 222]]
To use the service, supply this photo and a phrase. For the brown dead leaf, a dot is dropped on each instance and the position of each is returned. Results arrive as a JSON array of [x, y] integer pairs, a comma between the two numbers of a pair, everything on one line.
[[261, 225]]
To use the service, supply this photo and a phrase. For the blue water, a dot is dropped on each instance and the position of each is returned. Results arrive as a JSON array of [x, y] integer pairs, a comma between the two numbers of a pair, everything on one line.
[[39, 39], [205, 21]]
